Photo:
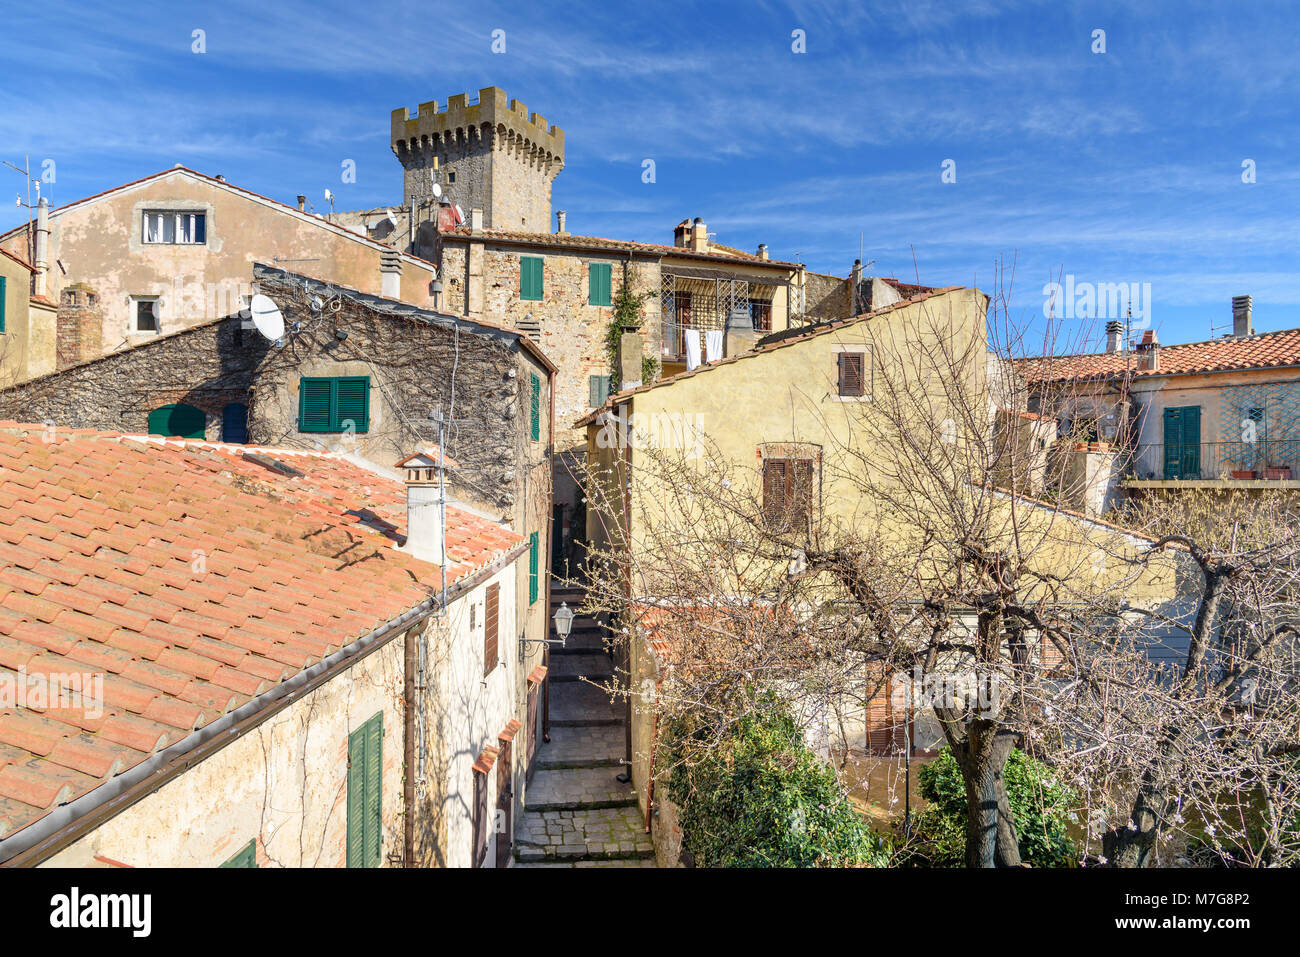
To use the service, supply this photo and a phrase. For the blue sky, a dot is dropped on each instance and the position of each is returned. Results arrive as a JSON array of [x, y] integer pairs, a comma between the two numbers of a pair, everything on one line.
[[1122, 166]]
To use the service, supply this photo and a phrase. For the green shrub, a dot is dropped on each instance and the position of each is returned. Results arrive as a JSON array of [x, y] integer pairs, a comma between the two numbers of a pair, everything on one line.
[[1040, 804], [759, 797]]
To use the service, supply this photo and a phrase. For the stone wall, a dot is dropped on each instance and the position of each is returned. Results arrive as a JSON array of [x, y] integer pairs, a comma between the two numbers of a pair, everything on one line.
[[206, 366], [826, 297], [569, 330]]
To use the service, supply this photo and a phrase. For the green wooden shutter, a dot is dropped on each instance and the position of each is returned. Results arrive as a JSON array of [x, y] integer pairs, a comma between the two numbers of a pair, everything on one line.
[[597, 390], [1191, 465], [247, 856], [315, 405], [356, 798], [3, 280], [535, 406], [374, 790], [1183, 442], [530, 277], [532, 567], [365, 794], [352, 402], [598, 284]]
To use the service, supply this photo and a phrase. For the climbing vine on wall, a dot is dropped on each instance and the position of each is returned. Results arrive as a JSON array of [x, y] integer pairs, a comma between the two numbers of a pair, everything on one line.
[[627, 315]]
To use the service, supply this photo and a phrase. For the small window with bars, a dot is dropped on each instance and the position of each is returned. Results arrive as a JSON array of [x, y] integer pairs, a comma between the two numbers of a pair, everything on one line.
[[789, 492], [174, 228], [853, 372]]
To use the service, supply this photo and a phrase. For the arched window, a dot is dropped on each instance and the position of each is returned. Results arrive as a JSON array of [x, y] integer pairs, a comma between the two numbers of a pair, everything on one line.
[[179, 420]]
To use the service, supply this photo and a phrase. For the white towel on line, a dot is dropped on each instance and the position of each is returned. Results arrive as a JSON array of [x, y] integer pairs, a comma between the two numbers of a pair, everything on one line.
[[713, 345], [692, 340]]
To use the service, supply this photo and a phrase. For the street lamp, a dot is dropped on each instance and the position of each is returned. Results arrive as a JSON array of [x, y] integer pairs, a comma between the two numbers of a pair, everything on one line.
[[563, 620]]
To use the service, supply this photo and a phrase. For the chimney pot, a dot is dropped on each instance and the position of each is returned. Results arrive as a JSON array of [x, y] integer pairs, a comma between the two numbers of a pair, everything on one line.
[[302, 203], [699, 236], [561, 222], [762, 250], [1242, 322], [425, 473], [1113, 330]]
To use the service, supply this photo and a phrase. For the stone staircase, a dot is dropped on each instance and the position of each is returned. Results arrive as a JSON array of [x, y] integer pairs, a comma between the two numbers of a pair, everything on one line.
[[576, 812]]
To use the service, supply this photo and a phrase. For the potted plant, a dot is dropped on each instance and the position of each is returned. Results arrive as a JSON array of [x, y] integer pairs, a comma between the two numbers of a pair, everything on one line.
[[1278, 472], [1244, 474]]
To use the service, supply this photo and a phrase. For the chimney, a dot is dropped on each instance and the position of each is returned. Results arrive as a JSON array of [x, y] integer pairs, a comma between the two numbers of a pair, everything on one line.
[[1113, 330], [630, 351], [302, 203], [561, 222], [390, 274], [699, 236], [682, 233], [1242, 325], [476, 220], [42, 263], [1148, 351], [762, 250], [739, 335], [425, 473]]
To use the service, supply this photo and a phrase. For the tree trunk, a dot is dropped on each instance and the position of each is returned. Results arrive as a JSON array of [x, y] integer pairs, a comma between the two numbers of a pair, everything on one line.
[[990, 829]]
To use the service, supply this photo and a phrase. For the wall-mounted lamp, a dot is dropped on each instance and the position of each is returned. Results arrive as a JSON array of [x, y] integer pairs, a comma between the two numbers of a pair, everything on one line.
[[563, 620]]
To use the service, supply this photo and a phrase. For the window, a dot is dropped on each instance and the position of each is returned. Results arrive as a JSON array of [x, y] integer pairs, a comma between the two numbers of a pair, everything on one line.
[[179, 420], [234, 423], [760, 312], [365, 798], [532, 567], [169, 227], [247, 856], [451, 176], [144, 314], [330, 403], [788, 493], [1183, 442], [535, 406], [530, 277], [598, 285], [491, 649], [852, 374], [598, 387]]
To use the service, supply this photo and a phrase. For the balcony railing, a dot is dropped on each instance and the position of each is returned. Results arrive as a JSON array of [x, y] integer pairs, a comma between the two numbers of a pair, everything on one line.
[[1265, 459]]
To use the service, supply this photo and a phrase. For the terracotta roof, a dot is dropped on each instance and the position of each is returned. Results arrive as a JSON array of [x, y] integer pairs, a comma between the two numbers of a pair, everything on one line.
[[191, 577], [19, 260], [813, 331], [1229, 353], [571, 241]]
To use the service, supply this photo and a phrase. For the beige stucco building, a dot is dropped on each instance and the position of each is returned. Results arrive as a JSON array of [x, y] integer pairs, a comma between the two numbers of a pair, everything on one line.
[[27, 323], [177, 248]]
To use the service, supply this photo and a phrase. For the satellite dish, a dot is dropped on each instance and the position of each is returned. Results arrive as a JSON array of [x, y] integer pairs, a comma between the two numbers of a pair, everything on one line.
[[329, 197], [266, 317], [437, 190], [392, 220], [460, 214]]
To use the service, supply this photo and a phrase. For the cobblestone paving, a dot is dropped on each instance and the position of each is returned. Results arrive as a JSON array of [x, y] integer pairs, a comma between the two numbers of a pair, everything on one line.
[[601, 745], [574, 788], [577, 814], [594, 666], [600, 833], [579, 701]]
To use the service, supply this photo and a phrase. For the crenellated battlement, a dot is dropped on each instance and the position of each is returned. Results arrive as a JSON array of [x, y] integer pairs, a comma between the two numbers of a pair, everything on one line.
[[492, 155], [494, 116]]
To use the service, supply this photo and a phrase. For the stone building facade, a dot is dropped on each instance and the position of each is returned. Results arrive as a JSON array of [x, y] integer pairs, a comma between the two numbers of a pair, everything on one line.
[[491, 155]]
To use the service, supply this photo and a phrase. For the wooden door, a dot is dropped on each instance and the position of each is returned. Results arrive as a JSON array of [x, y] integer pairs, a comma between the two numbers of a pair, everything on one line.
[[533, 728], [505, 806]]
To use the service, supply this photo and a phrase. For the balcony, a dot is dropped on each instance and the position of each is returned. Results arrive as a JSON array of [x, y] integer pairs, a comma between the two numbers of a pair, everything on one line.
[[1206, 463]]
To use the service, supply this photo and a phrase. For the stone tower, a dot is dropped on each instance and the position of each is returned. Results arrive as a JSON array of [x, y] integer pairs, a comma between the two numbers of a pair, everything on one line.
[[493, 155]]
